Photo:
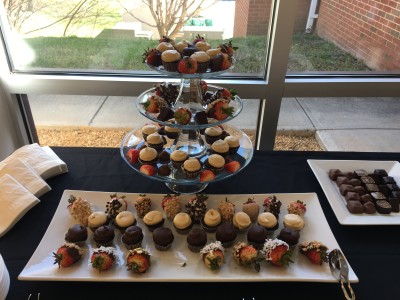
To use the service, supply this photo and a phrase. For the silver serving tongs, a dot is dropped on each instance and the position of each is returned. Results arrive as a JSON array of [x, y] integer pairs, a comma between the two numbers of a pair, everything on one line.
[[340, 270]]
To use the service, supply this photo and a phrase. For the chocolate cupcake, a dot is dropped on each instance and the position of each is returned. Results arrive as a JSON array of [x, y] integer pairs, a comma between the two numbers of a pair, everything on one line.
[[202, 59], [178, 157], [148, 129], [212, 134], [148, 156], [226, 233], [163, 238], [170, 60], [191, 167], [196, 239], [290, 236], [256, 236], [182, 222], [153, 219], [104, 236], [171, 132], [156, 141], [132, 237], [215, 163], [189, 50], [77, 234]]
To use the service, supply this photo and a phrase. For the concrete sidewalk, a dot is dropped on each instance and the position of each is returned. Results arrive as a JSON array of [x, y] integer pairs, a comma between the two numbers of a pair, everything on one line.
[[340, 124]]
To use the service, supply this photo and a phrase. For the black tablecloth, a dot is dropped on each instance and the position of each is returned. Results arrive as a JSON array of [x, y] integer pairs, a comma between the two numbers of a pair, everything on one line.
[[373, 251]]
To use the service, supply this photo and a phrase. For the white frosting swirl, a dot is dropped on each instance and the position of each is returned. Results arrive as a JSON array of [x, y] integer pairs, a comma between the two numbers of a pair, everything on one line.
[[232, 141], [293, 221], [212, 217], [192, 164], [202, 46], [213, 131], [125, 219], [216, 160], [267, 219], [155, 138], [153, 217], [178, 155], [213, 52], [200, 56], [220, 146], [182, 220], [164, 46], [241, 220], [97, 219], [149, 129], [170, 56], [148, 154]]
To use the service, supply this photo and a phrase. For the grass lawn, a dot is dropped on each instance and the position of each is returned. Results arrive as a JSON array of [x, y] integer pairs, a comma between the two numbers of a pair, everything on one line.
[[308, 53]]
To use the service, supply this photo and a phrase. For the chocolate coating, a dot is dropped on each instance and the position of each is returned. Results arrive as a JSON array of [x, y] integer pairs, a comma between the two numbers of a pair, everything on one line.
[[104, 234], [197, 237], [226, 233], [132, 235], [76, 233], [257, 234], [369, 208], [163, 236], [164, 170], [164, 157], [355, 207], [289, 236]]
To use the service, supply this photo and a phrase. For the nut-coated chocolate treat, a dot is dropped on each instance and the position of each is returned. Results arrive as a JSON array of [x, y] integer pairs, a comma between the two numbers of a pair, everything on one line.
[[383, 207]]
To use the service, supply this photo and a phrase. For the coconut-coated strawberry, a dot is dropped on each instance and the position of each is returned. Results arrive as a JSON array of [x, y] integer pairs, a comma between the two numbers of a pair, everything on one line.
[[67, 254], [246, 255], [232, 166], [138, 260], [103, 258], [207, 175], [187, 65], [277, 252], [133, 155], [315, 251], [213, 255], [148, 170]]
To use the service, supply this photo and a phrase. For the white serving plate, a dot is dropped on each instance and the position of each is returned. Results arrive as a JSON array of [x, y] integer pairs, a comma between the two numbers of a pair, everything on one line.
[[338, 202], [179, 263]]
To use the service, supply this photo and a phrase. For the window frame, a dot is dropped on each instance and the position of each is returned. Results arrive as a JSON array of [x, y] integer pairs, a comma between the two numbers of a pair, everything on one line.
[[270, 90]]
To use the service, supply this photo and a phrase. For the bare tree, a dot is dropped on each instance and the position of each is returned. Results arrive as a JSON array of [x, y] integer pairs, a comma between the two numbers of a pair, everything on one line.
[[171, 15]]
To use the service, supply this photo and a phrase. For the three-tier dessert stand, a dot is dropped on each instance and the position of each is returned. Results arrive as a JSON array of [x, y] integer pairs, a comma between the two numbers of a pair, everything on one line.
[[191, 136]]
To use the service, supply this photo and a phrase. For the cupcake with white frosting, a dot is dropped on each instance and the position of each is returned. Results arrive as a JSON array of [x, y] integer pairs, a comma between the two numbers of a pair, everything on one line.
[[233, 144], [182, 222], [148, 129], [170, 60], [215, 163], [148, 156], [241, 221], [268, 221], [164, 46], [181, 45], [156, 141], [220, 147], [293, 221], [212, 134], [203, 60], [211, 220], [213, 52], [191, 167], [153, 219], [178, 157], [202, 46], [171, 132], [124, 219], [97, 219]]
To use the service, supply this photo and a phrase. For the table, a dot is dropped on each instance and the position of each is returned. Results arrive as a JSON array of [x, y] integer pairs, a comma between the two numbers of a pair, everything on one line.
[[373, 251]]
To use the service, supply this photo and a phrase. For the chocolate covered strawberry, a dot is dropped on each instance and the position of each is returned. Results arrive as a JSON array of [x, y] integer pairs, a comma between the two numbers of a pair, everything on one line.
[[187, 65], [67, 255], [228, 48], [182, 116], [277, 252], [154, 104], [197, 39], [166, 39], [273, 205], [246, 255], [152, 57], [138, 260], [103, 258], [220, 109], [315, 251]]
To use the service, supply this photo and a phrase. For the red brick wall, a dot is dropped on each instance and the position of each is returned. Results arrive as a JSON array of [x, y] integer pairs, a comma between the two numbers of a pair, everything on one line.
[[252, 17], [368, 29]]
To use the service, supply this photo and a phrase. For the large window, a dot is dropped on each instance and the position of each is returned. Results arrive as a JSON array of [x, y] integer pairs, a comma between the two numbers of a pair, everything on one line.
[[95, 49]]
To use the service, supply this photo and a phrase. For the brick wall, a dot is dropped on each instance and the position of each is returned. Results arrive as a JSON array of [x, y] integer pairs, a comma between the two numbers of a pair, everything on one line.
[[252, 17], [368, 29]]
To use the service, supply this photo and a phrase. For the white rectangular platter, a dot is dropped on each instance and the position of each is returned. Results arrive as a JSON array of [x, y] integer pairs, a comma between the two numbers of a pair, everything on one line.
[[337, 201], [179, 263]]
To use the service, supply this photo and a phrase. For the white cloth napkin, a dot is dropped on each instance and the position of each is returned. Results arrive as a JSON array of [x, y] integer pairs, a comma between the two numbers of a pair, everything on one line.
[[42, 159], [15, 202], [25, 175], [4, 279]]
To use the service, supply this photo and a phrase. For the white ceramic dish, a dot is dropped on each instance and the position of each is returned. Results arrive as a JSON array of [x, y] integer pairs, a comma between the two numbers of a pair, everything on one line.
[[337, 201], [178, 263]]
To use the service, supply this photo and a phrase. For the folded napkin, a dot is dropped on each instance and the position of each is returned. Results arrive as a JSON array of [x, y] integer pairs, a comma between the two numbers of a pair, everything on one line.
[[42, 159], [15, 202], [25, 175], [4, 279]]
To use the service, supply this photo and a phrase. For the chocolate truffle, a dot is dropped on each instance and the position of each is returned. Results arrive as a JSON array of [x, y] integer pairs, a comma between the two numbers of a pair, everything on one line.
[[164, 170], [394, 202], [334, 173], [342, 180], [290, 236], [366, 198], [383, 207], [352, 196], [226, 233], [76, 234], [196, 239], [163, 238], [355, 207], [164, 157], [132, 237], [104, 236], [344, 188], [256, 236], [369, 208], [360, 172]]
